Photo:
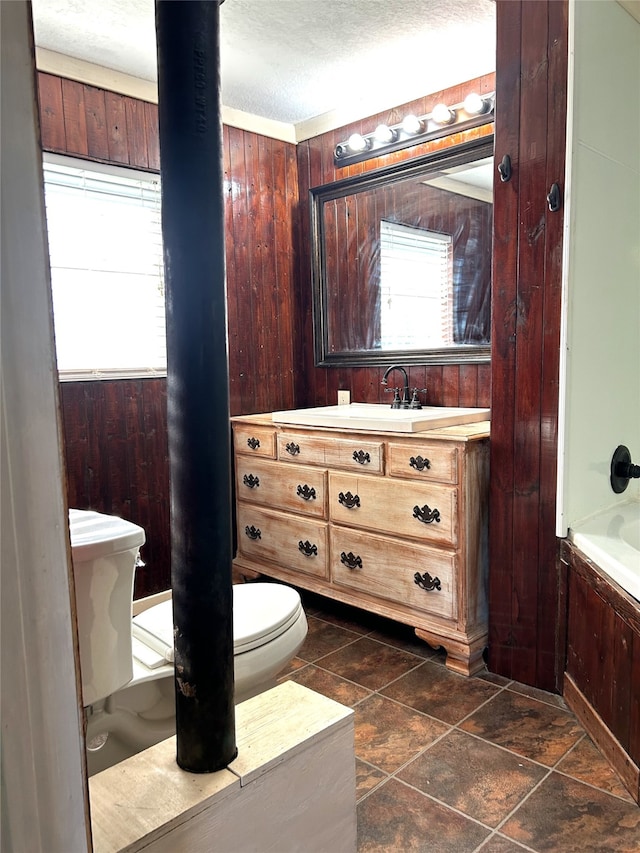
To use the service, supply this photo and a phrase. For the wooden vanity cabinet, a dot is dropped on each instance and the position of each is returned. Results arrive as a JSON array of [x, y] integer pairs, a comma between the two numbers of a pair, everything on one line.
[[395, 524]]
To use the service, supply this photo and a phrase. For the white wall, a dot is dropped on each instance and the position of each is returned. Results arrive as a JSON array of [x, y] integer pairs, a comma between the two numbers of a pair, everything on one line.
[[44, 795], [602, 259]]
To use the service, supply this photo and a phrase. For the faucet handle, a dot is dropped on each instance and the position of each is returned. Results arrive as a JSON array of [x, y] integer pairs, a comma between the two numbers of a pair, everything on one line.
[[415, 401], [397, 402]]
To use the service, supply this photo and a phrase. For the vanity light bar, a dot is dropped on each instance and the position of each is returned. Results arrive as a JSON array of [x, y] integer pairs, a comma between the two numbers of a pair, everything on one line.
[[443, 120]]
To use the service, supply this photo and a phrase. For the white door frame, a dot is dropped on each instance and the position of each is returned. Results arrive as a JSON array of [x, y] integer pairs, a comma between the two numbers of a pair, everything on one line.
[[44, 783]]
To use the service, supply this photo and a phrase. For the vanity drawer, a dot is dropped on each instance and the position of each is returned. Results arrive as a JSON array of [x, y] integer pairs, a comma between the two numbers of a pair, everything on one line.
[[296, 488], [427, 462], [402, 508], [332, 452], [254, 440], [293, 542], [387, 568]]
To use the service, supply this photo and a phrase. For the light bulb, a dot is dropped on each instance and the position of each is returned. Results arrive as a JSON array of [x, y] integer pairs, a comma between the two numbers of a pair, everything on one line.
[[411, 124], [357, 142], [474, 104], [442, 114], [384, 133]]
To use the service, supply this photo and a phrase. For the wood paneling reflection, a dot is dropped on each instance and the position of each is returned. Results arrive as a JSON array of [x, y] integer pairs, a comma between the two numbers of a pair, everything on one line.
[[353, 304]]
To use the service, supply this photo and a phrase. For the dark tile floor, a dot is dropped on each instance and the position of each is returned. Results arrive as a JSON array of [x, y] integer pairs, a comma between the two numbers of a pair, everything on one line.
[[448, 764]]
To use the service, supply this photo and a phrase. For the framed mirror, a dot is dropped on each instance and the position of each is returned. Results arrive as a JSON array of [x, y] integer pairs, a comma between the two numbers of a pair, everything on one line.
[[401, 261]]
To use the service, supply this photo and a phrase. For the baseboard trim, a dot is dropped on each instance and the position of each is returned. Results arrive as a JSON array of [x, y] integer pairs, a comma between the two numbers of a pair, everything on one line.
[[606, 742]]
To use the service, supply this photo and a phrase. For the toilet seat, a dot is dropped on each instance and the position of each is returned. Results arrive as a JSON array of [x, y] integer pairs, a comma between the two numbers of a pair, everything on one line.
[[270, 626], [262, 612]]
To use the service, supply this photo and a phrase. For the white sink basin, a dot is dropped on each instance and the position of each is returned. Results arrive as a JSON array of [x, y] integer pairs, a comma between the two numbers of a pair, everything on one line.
[[381, 418]]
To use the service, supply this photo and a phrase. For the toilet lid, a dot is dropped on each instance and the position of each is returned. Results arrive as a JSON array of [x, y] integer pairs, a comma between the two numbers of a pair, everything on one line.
[[261, 612]]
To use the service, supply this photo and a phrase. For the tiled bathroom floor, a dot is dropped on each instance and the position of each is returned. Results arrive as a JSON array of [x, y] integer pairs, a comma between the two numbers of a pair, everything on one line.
[[448, 764]]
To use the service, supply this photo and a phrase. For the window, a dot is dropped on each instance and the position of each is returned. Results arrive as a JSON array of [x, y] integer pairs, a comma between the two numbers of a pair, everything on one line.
[[105, 247], [416, 292]]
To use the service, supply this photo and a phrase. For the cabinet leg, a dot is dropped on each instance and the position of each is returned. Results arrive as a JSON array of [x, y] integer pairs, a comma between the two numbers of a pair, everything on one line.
[[464, 658]]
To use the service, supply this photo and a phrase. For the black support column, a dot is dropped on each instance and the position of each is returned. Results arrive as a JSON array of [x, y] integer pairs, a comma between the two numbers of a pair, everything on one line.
[[198, 384]]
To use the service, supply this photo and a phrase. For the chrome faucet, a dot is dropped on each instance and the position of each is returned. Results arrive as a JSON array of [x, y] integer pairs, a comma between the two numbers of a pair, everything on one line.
[[397, 402]]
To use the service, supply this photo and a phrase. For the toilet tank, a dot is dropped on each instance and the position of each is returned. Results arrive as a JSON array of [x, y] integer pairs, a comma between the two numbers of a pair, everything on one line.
[[104, 550]]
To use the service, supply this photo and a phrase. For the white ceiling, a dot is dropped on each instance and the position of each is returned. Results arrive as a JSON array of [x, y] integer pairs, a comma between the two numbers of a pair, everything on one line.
[[294, 60]]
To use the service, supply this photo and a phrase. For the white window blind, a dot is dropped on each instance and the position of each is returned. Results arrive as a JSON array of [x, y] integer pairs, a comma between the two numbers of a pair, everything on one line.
[[416, 277], [105, 247]]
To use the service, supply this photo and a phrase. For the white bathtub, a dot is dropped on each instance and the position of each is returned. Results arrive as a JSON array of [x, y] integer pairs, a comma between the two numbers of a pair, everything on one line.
[[611, 540]]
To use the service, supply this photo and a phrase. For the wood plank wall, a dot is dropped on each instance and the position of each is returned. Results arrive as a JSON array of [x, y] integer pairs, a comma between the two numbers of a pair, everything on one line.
[[449, 385], [115, 437], [526, 621], [115, 432], [603, 650]]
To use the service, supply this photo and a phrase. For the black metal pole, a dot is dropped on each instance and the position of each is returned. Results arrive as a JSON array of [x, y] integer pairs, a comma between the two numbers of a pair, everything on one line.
[[197, 380]]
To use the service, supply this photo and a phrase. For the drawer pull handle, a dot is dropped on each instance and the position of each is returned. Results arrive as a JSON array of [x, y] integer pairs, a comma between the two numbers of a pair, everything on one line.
[[292, 448], [361, 457], [254, 443], [426, 582], [307, 493], [253, 532], [349, 500], [350, 560], [251, 481], [308, 549], [419, 463], [426, 514]]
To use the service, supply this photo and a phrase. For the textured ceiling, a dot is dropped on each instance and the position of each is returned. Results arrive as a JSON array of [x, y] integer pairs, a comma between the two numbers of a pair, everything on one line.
[[293, 60]]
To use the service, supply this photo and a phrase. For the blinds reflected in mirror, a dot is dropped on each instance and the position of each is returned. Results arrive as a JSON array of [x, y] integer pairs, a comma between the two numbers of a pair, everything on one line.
[[416, 287]]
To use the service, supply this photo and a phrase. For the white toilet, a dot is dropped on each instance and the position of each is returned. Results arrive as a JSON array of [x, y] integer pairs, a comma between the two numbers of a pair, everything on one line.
[[127, 664]]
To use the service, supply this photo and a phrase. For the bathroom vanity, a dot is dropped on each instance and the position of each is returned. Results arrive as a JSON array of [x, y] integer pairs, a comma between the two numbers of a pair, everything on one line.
[[392, 522]]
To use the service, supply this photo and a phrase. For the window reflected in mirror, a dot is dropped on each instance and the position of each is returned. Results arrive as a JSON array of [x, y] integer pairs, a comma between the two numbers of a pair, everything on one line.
[[416, 287]]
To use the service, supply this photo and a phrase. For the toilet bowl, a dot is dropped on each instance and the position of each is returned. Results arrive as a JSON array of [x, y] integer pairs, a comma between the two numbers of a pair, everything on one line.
[[127, 664]]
